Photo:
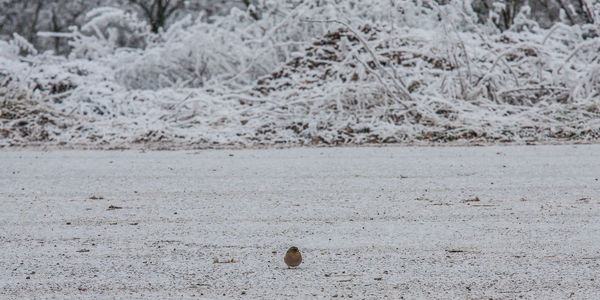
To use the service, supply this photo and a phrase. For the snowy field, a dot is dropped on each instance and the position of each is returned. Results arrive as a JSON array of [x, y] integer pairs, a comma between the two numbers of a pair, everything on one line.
[[391, 222]]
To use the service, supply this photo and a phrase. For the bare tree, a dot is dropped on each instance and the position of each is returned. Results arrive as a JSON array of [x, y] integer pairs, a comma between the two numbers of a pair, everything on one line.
[[545, 12], [158, 11], [253, 13], [20, 17], [28, 17]]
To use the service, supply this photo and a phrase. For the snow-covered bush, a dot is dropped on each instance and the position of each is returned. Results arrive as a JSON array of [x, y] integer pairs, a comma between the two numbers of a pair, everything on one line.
[[311, 72], [107, 29]]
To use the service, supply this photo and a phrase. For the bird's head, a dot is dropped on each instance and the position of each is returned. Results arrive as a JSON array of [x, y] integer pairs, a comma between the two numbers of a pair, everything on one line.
[[293, 249]]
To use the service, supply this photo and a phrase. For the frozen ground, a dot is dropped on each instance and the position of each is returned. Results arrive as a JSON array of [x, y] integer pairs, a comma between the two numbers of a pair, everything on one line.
[[370, 222]]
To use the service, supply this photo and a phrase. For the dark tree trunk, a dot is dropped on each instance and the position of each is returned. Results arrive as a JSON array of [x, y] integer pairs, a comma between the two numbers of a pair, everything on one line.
[[157, 12]]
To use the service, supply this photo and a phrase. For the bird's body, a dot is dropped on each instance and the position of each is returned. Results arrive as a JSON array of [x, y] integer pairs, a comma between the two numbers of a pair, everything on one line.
[[293, 258]]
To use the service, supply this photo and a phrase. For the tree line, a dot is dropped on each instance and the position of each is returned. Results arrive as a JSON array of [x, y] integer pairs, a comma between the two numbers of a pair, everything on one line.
[[28, 17]]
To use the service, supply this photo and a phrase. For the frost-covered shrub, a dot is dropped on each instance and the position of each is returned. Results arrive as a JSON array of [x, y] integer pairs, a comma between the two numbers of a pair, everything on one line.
[[236, 49], [311, 72], [232, 50], [105, 30], [9, 50], [13, 84]]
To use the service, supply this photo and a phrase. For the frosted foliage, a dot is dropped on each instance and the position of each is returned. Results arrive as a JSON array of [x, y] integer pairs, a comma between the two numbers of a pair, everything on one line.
[[305, 72], [106, 30], [9, 50], [23, 44]]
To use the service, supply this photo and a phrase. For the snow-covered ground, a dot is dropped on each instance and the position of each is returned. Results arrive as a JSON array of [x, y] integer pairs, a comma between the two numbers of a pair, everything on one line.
[[418, 222]]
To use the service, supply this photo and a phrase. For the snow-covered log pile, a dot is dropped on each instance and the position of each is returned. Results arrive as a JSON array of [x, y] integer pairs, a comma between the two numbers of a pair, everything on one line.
[[347, 73]]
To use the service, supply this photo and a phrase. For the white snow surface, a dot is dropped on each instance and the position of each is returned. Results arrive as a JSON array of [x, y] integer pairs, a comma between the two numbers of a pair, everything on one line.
[[370, 222], [307, 72]]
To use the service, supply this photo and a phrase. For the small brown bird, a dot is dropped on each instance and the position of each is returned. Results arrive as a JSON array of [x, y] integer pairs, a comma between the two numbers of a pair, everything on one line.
[[293, 258]]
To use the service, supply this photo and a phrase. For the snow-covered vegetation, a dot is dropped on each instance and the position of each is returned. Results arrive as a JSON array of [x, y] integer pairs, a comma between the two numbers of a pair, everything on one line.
[[304, 72]]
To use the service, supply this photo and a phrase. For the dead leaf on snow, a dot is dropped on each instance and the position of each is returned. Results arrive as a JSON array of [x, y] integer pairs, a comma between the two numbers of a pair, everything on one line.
[[228, 261], [476, 199]]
